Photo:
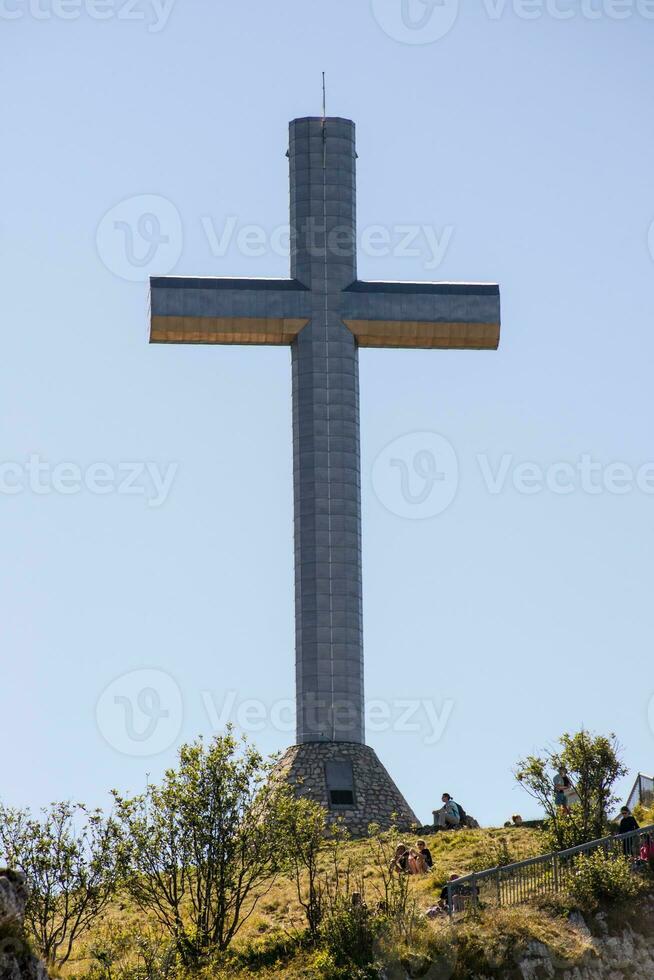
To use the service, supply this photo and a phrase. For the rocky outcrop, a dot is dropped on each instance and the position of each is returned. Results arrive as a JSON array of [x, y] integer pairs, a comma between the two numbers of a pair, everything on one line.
[[614, 953], [17, 961]]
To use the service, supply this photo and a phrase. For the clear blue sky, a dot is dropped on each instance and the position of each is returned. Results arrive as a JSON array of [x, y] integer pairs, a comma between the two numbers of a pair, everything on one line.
[[527, 147]]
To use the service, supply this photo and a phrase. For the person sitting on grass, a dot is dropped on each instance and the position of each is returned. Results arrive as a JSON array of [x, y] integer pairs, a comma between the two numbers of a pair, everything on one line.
[[424, 851], [449, 893], [400, 862], [416, 863], [449, 816]]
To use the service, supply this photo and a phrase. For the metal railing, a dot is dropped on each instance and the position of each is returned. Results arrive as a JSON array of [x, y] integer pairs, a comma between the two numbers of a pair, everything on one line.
[[544, 875]]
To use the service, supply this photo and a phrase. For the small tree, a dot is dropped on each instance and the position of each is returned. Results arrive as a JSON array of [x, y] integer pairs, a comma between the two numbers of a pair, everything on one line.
[[303, 824], [204, 846], [594, 764], [393, 892], [70, 859]]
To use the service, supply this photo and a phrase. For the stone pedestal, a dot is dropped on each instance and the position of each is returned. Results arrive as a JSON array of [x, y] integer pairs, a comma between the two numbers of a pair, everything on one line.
[[349, 781]]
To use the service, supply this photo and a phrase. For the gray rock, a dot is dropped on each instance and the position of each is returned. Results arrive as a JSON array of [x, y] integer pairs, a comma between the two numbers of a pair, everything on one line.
[[17, 960], [579, 923], [13, 896]]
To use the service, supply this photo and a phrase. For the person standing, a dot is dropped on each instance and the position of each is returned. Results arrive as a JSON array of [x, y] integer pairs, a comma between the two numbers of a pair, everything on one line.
[[562, 786], [628, 823]]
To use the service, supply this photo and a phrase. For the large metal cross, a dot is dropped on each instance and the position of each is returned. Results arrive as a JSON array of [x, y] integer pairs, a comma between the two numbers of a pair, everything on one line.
[[325, 314]]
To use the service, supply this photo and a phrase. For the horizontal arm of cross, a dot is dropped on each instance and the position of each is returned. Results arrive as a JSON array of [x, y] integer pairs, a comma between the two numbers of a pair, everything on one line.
[[188, 310], [423, 314]]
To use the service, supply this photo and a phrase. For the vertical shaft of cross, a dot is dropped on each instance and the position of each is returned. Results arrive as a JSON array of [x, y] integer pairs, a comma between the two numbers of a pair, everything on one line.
[[326, 455]]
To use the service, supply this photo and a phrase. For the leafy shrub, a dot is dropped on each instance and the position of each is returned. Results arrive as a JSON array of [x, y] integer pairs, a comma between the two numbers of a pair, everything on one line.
[[567, 830], [348, 934], [212, 829], [267, 950], [122, 954], [325, 967], [600, 879], [644, 814], [69, 855], [497, 854]]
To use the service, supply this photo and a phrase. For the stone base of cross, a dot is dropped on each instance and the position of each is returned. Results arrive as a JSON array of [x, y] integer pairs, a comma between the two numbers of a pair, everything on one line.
[[325, 314]]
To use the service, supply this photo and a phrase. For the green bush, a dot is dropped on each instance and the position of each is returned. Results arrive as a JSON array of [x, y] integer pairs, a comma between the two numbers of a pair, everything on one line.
[[348, 935], [267, 950], [126, 955], [600, 879], [496, 854], [325, 967]]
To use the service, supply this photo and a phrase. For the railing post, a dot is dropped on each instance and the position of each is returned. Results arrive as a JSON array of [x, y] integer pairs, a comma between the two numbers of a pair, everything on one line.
[[499, 886], [555, 869]]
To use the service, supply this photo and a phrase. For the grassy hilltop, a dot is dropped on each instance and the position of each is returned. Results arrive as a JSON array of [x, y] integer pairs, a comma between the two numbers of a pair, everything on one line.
[[220, 872], [269, 945]]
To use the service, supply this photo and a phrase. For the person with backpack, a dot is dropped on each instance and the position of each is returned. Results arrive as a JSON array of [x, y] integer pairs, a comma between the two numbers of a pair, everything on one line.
[[562, 787], [464, 819], [449, 815]]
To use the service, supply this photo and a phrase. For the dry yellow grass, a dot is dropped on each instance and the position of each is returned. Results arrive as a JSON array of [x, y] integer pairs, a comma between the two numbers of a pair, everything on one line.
[[500, 937], [279, 911]]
